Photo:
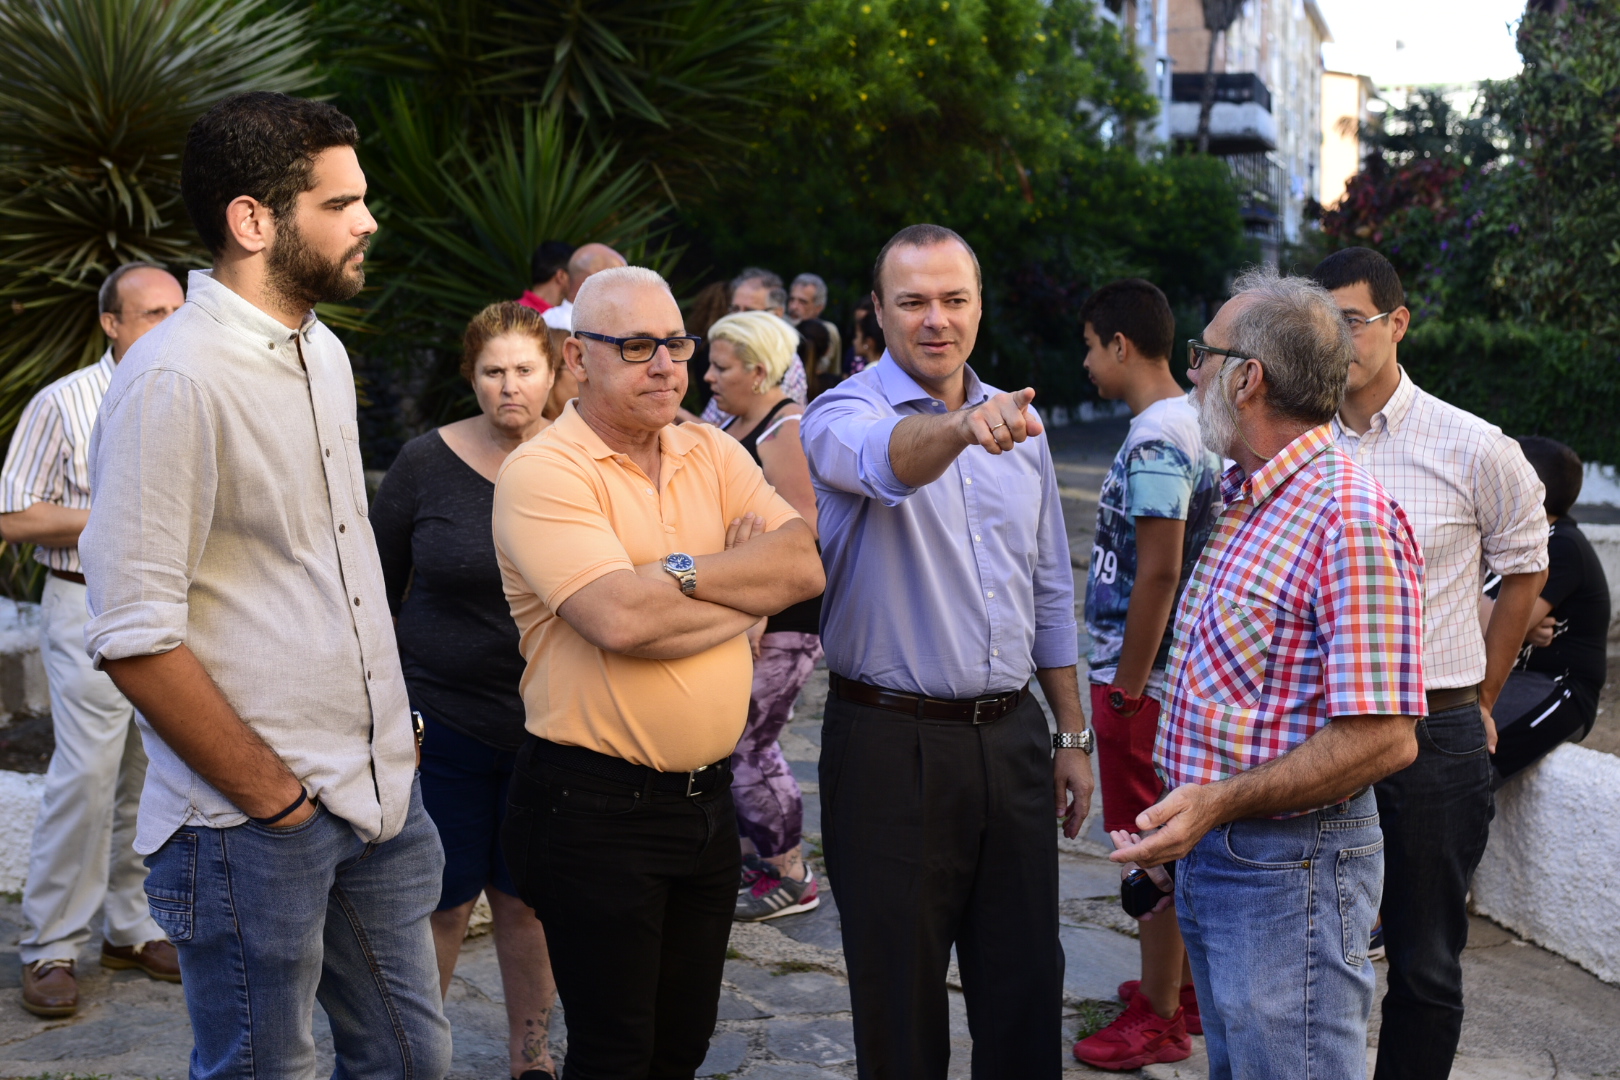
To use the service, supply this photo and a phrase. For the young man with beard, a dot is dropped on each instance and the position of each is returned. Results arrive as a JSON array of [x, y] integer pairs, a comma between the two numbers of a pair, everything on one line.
[[237, 600], [1473, 500], [1296, 679]]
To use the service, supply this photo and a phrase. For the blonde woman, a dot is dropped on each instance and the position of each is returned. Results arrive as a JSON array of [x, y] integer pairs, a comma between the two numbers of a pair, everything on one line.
[[459, 648], [748, 355]]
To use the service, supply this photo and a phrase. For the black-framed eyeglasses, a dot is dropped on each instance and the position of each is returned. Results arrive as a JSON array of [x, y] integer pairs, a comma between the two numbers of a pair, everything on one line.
[[1358, 323], [639, 350], [1198, 352]]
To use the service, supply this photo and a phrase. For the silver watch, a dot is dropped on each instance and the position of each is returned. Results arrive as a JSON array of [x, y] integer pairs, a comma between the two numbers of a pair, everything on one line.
[[1074, 740], [683, 568]]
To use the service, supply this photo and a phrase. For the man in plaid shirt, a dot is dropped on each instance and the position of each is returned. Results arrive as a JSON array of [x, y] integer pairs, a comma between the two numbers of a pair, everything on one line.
[[1296, 679]]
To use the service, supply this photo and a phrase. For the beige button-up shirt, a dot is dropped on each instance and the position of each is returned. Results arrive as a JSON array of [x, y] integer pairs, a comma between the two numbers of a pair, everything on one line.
[[230, 516], [1474, 502]]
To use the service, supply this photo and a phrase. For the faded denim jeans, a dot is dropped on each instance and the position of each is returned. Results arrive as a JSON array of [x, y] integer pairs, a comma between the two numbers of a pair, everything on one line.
[[268, 921], [1277, 916]]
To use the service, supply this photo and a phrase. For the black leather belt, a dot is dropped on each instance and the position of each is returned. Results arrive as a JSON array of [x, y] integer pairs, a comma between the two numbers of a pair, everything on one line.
[[984, 710], [69, 575], [699, 781], [1452, 698]]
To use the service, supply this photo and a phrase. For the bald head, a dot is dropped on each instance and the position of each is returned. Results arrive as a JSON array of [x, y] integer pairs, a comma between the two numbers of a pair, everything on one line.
[[587, 260]]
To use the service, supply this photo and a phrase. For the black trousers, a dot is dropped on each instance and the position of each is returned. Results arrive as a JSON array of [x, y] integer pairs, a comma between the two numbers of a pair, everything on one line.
[[939, 832], [636, 889], [1436, 814]]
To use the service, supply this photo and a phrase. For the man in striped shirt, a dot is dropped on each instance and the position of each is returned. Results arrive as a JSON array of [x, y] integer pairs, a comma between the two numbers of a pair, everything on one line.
[[1295, 679], [83, 853]]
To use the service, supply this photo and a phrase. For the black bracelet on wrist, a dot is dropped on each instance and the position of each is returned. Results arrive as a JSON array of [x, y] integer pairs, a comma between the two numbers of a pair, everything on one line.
[[303, 797]]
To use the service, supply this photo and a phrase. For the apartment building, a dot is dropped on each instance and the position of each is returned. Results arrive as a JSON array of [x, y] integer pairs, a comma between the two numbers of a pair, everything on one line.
[[1267, 119], [1348, 102]]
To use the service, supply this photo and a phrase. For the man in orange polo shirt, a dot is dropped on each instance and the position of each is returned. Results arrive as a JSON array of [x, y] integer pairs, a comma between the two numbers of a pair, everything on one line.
[[636, 555]]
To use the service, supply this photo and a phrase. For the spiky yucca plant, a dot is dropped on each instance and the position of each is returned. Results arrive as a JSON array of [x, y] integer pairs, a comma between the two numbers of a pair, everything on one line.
[[96, 97]]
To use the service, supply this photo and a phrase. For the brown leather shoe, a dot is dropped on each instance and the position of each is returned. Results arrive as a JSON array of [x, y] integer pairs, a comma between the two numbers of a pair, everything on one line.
[[49, 988], [158, 959]]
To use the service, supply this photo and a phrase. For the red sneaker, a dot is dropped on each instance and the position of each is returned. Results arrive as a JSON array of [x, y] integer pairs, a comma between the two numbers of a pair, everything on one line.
[[1137, 1037], [1189, 1003]]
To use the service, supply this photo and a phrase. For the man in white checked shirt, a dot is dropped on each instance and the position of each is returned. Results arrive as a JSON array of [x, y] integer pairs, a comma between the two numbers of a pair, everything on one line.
[[1472, 499], [83, 855]]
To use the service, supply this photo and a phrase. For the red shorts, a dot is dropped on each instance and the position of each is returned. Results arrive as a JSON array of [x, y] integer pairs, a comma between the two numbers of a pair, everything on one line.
[[1125, 759]]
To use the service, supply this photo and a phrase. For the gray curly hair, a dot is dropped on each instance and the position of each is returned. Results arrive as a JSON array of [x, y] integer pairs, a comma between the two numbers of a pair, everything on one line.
[[1294, 328]]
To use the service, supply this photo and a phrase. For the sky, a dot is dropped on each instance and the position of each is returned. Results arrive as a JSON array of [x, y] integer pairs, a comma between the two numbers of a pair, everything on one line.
[[1418, 42]]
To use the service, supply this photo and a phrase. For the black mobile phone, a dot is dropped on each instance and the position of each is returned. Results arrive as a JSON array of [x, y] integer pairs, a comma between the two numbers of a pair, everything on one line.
[[1138, 895]]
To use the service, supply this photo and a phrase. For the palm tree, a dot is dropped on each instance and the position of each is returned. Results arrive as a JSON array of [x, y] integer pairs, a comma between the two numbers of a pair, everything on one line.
[[1219, 15], [96, 97]]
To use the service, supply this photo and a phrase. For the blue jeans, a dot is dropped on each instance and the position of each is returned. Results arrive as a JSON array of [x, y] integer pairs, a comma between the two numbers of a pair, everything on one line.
[[1277, 916], [268, 921]]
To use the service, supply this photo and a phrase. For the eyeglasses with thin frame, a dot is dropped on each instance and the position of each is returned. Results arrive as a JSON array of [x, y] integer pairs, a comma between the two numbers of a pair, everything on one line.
[[1198, 352], [639, 350], [1357, 323]]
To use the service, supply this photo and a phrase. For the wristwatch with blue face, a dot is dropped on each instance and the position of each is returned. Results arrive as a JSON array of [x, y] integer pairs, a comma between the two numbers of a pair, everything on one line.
[[684, 569]]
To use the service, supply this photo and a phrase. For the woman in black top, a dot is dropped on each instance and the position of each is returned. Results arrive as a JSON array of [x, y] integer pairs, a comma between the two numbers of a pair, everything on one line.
[[748, 354], [1551, 695], [459, 649]]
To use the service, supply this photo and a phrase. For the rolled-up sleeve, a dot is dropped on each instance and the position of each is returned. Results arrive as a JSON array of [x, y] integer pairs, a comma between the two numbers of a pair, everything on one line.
[[154, 471], [1369, 616], [1512, 519], [1057, 643], [846, 441]]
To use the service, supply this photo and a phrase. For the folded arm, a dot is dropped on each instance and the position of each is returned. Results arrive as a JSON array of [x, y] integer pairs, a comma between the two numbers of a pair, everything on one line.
[[642, 612], [44, 523]]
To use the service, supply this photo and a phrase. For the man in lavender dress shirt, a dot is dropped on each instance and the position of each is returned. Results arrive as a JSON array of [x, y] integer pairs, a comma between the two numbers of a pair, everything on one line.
[[948, 586]]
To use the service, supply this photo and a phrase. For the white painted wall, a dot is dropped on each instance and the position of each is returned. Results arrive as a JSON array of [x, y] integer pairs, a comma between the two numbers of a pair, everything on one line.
[[1606, 542], [19, 806], [1550, 869], [22, 676]]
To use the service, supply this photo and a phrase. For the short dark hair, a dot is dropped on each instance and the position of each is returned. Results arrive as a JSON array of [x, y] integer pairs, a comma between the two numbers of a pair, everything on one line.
[[548, 258], [1135, 308], [259, 144], [866, 321], [107, 299], [1352, 266], [923, 236], [1560, 470]]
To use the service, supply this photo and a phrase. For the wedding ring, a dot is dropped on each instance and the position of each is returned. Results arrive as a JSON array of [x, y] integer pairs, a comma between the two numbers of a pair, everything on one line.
[[1000, 425]]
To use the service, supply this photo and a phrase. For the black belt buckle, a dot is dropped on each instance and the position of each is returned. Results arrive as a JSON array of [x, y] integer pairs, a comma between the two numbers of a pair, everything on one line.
[[691, 780]]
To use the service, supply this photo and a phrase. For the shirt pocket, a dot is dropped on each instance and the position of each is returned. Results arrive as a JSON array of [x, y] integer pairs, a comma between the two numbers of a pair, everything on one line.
[[1231, 641], [1014, 511], [350, 431]]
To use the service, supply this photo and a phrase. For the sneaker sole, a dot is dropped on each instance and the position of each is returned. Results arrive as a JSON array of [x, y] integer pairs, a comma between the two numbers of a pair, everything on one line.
[[117, 964], [1179, 1053], [791, 909]]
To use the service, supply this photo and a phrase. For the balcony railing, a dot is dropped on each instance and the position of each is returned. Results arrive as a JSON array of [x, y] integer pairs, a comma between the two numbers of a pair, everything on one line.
[[1240, 120]]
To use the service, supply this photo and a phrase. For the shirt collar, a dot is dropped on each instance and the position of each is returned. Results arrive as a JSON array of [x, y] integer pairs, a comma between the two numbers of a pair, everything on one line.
[[1265, 481], [900, 388], [234, 310], [106, 363], [673, 440], [1392, 415]]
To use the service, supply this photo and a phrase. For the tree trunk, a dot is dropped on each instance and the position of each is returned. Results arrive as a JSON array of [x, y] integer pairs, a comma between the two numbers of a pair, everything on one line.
[[1207, 102]]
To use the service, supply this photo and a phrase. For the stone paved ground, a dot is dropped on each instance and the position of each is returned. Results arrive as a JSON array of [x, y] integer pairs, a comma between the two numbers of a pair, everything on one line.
[[784, 1012]]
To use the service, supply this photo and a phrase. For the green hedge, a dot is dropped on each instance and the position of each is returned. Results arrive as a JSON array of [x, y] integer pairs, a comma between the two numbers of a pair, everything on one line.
[[1530, 379]]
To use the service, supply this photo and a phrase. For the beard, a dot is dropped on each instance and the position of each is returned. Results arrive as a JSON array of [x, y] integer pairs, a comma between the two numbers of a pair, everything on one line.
[[299, 273], [1216, 425]]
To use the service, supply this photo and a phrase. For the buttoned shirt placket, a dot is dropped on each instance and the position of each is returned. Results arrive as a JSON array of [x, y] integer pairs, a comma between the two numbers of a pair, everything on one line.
[[334, 466]]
